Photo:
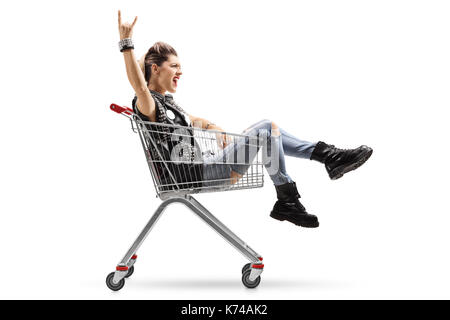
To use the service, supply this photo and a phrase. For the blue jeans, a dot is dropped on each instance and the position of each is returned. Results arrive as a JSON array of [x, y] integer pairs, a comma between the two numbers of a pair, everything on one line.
[[217, 169]]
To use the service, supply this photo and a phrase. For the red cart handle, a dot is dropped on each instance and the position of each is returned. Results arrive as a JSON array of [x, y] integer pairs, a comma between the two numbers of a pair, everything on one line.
[[119, 109]]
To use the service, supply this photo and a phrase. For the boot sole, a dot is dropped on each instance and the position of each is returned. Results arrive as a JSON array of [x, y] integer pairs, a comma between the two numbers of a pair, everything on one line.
[[281, 217], [340, 171]]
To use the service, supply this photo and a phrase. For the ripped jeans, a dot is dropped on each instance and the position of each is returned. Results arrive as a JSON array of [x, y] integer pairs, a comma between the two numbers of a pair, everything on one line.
[[276, 143]]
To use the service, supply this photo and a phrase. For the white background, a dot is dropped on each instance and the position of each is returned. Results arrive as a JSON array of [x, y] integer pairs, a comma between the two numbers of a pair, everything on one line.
[[76, 190]]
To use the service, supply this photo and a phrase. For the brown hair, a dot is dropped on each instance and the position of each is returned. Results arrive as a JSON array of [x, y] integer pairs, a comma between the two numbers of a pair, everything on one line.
[[157, 54]]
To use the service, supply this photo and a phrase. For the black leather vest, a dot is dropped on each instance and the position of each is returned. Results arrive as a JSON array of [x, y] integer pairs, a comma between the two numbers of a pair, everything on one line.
[[178, 150]]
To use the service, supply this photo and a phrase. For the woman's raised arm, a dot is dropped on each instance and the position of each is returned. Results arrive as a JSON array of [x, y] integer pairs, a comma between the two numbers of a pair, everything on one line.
[[145, 102]]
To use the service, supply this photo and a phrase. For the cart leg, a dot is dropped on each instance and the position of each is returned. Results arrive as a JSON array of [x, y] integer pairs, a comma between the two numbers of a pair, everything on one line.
[[130, 257], [224, 227], [220, 228], [132, 261]]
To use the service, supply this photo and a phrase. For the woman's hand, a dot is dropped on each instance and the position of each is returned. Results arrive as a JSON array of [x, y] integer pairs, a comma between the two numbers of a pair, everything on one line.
[[223, 139], [125, 29]]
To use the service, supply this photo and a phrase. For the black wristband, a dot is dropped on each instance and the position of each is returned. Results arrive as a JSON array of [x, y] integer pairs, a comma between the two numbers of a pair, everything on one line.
[[126, 48]]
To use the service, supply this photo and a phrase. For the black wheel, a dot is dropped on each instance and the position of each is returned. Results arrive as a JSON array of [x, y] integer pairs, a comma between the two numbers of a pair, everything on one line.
[[246, 281], [246, 267], [114, 286], [130, 272]]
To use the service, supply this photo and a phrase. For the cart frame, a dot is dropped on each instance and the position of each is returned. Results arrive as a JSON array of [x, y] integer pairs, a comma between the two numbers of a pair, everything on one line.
[[251, 272]]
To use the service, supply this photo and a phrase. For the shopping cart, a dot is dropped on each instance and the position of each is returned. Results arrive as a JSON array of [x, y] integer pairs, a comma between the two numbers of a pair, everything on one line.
[[189, 160]]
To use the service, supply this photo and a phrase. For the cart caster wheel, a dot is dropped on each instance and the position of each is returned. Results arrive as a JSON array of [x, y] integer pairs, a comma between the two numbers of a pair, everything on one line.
[[246, 267], [114, 286], [130, 272], [246, 281]]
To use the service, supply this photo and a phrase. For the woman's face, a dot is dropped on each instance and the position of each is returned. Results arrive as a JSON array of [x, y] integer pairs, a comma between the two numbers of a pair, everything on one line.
[[168, 74]]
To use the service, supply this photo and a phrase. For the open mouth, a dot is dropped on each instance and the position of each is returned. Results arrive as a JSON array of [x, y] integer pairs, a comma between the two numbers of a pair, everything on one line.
[[175, 81]]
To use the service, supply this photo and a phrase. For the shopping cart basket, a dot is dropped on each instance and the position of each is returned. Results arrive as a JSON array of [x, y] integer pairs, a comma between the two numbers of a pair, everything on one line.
[[189, 160]]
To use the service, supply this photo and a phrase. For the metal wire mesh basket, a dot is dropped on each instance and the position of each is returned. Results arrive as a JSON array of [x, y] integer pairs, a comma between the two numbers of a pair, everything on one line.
[[187, 160]]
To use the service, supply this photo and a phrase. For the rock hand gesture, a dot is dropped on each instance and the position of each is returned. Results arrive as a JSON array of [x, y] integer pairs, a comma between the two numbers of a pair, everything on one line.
[[125, 29]]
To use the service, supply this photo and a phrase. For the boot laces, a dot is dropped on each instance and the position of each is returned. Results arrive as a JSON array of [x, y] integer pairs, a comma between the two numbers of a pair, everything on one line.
[[340, 154], [342, 150]]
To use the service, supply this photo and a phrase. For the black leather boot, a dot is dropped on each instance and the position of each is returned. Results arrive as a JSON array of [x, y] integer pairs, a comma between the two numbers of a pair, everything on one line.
[[289, 208], [340, 161]]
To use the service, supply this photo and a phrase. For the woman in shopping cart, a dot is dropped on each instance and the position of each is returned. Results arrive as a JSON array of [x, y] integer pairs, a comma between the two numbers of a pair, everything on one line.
[[159, 72]]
